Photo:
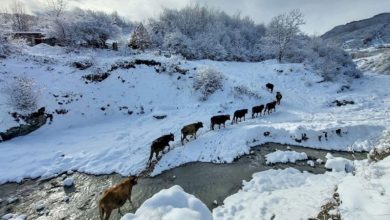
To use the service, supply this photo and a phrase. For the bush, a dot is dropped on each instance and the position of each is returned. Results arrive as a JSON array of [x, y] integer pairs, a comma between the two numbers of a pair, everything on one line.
[[207, 81], [242, 90], [23, 94], [5, 47]]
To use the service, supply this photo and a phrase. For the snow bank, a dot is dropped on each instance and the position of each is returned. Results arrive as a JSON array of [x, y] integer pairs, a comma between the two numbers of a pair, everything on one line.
[[171, 204], [365, 195], [285, 157], [284, 194], [338, 164], [11, 216]]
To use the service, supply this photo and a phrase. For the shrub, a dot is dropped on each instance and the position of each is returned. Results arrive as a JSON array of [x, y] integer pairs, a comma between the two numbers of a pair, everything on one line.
[[23, 94], [207, 81], [242, 90]]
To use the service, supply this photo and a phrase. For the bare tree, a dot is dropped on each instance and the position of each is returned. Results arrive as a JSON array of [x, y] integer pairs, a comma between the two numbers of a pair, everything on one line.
[[20, 20], [56, 9], [281, 31]]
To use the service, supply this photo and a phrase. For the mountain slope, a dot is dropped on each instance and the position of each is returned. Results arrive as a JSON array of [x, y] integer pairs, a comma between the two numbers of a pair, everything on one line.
[[361, 34]]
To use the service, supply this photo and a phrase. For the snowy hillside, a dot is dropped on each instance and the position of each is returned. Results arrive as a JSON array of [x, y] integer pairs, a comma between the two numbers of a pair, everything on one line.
[[373, 59], [361, 34], [109, 125]]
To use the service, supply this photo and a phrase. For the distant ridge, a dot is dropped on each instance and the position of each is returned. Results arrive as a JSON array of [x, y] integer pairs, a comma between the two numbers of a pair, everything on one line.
[[361, 34]]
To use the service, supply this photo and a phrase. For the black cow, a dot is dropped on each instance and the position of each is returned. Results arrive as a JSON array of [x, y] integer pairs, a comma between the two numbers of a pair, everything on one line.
[[257, 110], [269, 107], [159, 145], [218, 120], [270, 86], [239, 114]]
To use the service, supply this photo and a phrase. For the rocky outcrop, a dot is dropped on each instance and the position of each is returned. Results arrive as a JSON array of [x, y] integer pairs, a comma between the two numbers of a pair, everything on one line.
[[33, 122]]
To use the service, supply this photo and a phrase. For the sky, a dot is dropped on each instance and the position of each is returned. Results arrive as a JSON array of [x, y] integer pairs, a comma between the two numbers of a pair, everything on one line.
[[320, 15]]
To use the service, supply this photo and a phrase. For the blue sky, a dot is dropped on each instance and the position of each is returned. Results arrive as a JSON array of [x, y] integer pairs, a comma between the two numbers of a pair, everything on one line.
[[320, 15]]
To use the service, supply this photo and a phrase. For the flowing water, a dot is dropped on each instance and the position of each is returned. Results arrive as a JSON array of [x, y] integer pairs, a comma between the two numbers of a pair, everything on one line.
[[207, 181]]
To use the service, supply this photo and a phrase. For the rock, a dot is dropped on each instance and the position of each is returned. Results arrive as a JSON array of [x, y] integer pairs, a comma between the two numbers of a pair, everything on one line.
[[310, 163], [159, 117], [82, 65], [319, 161], [68, 182], [11, 200], [66, 199], [342, 102], [11, 216], [40, 206], [34, 121]]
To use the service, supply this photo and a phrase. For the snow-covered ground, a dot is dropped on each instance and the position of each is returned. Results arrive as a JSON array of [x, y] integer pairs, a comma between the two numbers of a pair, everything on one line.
[[285, 157], [291, 194], [172, 203], [88, 139]]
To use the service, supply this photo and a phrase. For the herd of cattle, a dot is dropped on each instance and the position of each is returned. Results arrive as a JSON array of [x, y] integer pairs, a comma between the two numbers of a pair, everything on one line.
[[116, 196], [159, 144]]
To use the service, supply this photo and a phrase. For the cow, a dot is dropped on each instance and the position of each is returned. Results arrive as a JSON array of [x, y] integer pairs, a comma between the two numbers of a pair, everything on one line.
[[218, 120], [278, 97], [239, 114], [256, 110], [270, 87], [269, 107], [190, 129], [159, 145], [116, 196]]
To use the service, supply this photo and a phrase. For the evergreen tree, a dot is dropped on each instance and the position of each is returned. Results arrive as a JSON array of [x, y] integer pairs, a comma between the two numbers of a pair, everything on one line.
[[140, 38]]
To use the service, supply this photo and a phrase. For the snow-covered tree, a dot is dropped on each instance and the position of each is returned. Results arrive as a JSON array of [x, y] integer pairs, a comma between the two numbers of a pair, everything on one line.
[[176, 42], [281, 32], [329, 61], [90, 27], [140, 38], [206, 34]]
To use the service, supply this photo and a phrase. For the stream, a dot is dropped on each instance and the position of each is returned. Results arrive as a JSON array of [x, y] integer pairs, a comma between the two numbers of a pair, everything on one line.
[[207, 181]]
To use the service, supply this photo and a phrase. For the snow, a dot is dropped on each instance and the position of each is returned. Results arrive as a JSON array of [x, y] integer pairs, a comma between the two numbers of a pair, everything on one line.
[[310, 163], [291, 194], [285, 157], [171, 204], [365, 195], [338, 164], [68, 182], [90, 140], [279, 193], [11, 216]]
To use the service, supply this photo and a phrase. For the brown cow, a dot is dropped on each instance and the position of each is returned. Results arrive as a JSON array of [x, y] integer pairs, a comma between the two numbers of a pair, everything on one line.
[[115, 197], [190, 129]]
